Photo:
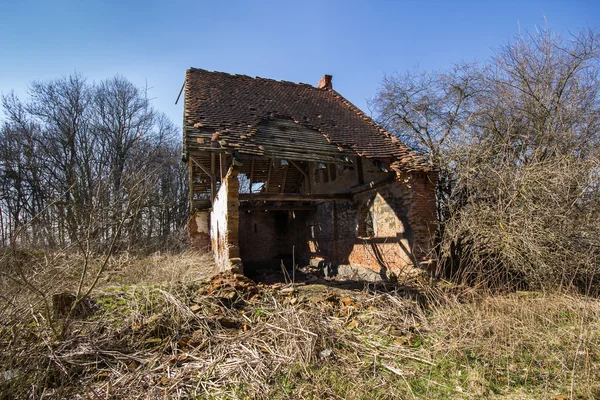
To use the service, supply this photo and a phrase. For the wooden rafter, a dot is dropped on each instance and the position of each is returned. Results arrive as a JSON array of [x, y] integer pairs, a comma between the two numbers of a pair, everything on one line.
[[191, 166], [359, 170], [273, 207], [207, 172], [284, 179], [268, 177], [222, 159], [306, 175], [298, 168], [294, 197], [251, 174]]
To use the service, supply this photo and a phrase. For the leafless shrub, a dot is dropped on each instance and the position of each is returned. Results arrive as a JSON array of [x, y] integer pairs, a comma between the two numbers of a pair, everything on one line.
[[529, 227], [516, 142]]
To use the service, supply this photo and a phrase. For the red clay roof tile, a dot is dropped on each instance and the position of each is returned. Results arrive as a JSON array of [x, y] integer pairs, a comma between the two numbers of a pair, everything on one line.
[[230, 107]]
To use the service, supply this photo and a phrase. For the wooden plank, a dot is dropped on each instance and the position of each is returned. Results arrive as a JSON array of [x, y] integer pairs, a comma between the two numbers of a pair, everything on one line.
[[251, 174], [192, 146], [222, 160], [359, 171], [212, 164], [294, 196], [298, 168], [284, 179], [191, 186], [200, 187], [205, 170], [213, 179], [308, 177], [273, 207], [371, 185], [287, 155], [276, 143], [268, 177]]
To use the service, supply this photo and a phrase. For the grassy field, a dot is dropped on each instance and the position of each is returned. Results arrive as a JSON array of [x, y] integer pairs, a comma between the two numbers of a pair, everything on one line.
[[161, 327]]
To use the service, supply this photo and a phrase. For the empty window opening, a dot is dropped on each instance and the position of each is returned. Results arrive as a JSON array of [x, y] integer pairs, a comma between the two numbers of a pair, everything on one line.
[[244, 181]]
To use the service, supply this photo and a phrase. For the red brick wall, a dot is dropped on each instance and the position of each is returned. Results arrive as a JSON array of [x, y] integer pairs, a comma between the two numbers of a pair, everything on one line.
[[422, 212], [404, 219], [268, 237]]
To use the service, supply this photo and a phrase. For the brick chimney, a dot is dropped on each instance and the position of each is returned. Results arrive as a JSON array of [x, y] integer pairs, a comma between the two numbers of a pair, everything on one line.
[[325, 82]]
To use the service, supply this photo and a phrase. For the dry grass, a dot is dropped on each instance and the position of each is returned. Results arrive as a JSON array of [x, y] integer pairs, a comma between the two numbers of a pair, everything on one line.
[[161, 268], [229, 338], [548, 344]]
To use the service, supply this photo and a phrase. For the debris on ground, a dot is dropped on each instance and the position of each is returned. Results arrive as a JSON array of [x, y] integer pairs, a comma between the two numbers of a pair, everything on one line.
[[232, 337]]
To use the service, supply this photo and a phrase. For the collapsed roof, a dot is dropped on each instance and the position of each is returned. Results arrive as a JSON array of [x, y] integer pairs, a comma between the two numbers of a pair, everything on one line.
[[263, 117]]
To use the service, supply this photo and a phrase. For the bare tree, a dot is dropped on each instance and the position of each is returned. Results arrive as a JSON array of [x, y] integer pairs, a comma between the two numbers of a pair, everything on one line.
[[82, 146], [430, 111], [86, 171], [516, 141]]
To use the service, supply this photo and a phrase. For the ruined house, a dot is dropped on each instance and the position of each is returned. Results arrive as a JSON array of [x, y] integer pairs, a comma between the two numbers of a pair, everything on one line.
[[282, 171]]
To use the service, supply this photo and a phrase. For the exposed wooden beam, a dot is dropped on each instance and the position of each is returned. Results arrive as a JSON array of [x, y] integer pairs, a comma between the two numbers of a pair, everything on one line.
[[222, 160], [359, 170], [286, 155], [212, 163], [191, 167], [268, 177], [272, 207], [298, 168], [251, 174], [294, 196], [370, 185], [213, 179], [199, 150], [284, 179], [309, 175], [206, 171]]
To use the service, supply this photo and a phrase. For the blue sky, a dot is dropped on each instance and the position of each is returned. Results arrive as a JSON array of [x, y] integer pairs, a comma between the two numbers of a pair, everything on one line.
[[355, 41]]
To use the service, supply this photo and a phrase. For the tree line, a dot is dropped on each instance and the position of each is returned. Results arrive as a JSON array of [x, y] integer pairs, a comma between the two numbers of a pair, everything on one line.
[[516, 140], [86, 164]]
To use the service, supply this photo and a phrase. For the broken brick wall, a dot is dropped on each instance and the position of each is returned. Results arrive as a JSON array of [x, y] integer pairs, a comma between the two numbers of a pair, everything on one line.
[[402, 219], [224, 221], [199, 230], [419, 190]]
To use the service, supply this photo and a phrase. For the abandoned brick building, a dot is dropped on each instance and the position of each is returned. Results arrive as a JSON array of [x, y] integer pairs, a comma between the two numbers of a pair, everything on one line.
[[281, 170]]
